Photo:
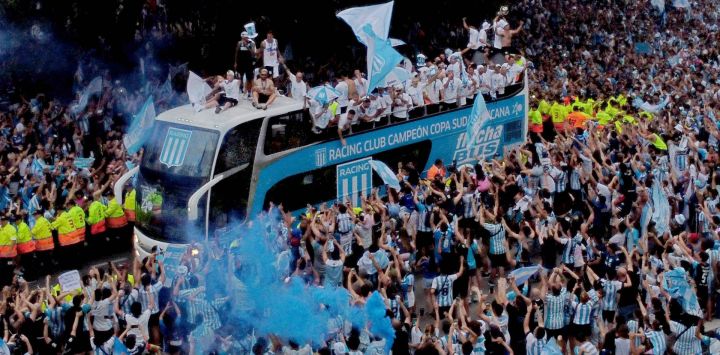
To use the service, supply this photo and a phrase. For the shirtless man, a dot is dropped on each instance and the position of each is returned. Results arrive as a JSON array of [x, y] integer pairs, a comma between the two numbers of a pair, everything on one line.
[[263, 91]]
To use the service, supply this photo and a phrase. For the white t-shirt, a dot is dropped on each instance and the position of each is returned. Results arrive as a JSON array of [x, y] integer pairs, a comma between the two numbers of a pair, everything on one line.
[[342, 87], [136, 323], [451, 91], [102, 315], [498, 83], [270, 53], [499, 31], [298, 90], [232, 89], [433, 91], [415, 94], [482, 37], [321, 115], [402, 103], [474, 38]]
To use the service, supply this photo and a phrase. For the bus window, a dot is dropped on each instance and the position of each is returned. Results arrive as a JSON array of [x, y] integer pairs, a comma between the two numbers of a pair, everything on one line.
[[513, 131], [317, 186], [288, 131], [228, 198], [238, 146]]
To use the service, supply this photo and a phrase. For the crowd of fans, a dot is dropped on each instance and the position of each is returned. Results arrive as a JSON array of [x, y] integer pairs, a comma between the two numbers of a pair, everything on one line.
[[614, 196]]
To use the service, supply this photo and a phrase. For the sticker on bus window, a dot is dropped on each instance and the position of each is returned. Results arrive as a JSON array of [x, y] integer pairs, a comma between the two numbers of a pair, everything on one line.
[[175, 146]]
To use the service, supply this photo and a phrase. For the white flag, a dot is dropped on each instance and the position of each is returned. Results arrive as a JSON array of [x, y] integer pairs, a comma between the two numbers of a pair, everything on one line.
[[197, 90]]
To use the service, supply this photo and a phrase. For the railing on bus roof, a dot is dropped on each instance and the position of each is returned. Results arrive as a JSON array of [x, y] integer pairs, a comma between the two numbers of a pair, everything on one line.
[[297, 132]]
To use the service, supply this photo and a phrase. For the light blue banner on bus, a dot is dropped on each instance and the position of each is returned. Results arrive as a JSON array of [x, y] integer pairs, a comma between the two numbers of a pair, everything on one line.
[[506, 127], [354, 180]]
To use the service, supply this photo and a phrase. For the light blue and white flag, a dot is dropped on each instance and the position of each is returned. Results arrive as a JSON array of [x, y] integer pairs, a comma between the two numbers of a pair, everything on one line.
[[478, 116], [661, 209], [83, 163], [386, 174], [323, 94], [524, 273], [685, 4], [381, 59], [397, 75], [93, 88], [377, 16], [140, 126], [676, 284], [396, 42]]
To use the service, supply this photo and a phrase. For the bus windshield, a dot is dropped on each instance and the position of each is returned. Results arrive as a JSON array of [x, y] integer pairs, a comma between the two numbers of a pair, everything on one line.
[[175, 164]]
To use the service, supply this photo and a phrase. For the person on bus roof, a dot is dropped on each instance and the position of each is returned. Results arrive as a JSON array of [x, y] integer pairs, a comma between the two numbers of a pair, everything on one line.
[[263, 91]]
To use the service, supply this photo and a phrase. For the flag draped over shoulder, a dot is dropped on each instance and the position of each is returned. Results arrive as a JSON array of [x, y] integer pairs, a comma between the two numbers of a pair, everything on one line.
[[140, 126]]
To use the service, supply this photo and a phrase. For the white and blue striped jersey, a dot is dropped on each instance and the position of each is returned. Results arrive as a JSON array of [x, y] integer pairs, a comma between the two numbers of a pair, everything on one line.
[[443, 287], [687, 343], [610, 292], [497, 238], [555, 309], [583, 313], [533, 345], [658, 341]]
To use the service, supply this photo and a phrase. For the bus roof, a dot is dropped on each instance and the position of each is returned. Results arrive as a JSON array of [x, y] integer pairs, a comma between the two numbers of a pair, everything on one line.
[[226, 120]]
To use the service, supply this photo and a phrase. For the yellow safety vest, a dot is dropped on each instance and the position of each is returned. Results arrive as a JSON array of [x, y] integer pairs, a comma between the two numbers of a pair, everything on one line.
[[535, 117], [96, 212], [659, 143], [42, 232], [63, 223], [23, 232], [603, 117], [557, 112], [544, 107], [8, 245], [78, 217]]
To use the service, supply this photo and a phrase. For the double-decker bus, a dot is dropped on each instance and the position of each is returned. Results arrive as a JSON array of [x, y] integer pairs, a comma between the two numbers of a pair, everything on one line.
[[212, 169]]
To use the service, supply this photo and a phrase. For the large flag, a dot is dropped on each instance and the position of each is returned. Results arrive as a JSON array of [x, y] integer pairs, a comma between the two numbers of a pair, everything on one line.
[[524, 273], [676, 284], [377, 16], [381, 58], [93, 88], [478, 116], [386, 174], [197, 90], [681, 4], [661, 209], [140, 127]]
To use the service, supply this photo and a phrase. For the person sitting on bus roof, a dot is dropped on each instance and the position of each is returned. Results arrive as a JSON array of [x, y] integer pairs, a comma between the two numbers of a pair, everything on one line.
[[344, 124], [263, 91], [230, 94]]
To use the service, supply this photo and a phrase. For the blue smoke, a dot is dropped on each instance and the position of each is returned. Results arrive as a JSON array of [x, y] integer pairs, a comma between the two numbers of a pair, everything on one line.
[[263, 299]]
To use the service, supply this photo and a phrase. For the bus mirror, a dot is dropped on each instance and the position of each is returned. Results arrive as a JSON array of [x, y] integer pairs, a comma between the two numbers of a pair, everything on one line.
[[194, 199], [118, 188]]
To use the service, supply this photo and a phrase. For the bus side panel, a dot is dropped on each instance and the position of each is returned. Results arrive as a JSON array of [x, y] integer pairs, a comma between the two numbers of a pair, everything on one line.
[[507, 126]]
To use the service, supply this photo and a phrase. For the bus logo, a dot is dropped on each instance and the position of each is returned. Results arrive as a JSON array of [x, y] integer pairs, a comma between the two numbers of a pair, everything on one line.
[[354, 179], [320, 157], [175, 146]]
